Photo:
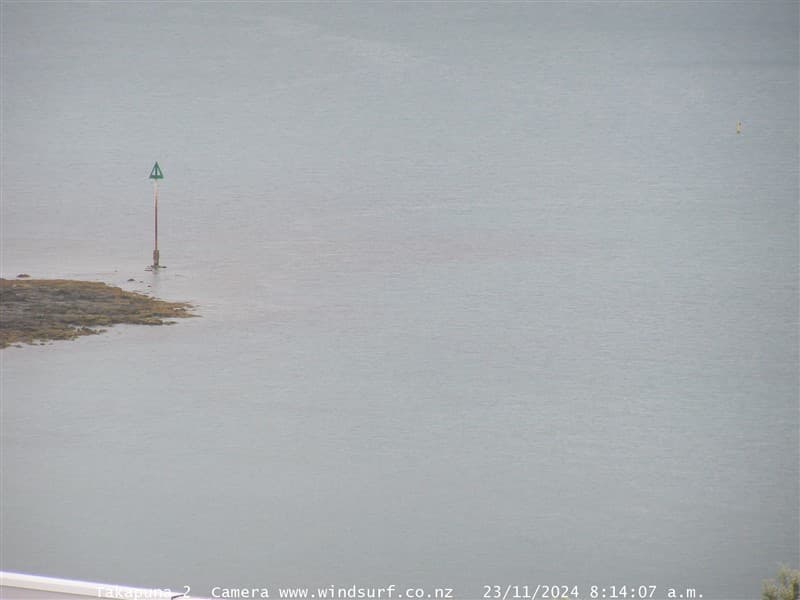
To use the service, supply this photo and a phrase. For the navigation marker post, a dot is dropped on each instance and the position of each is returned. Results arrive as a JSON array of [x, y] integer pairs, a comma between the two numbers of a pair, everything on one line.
[[155, 175]]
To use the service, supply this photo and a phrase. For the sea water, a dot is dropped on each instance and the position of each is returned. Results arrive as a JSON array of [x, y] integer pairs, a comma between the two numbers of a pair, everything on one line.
[[487, 294]]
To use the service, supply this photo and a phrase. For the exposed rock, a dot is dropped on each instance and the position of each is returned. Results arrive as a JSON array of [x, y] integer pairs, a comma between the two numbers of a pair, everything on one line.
[[40, 310]]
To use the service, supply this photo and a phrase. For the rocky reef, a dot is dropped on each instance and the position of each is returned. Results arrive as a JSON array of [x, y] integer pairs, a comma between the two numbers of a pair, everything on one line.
[[39, 310]]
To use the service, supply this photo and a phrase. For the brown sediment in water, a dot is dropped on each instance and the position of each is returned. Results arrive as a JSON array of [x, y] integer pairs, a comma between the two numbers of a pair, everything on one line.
[[38, 310]]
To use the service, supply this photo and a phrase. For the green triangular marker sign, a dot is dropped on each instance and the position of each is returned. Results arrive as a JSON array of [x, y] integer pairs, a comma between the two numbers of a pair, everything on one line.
[[156, 172]]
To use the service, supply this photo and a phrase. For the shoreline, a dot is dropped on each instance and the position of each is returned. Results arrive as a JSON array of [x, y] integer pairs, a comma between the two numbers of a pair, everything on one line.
[[39, 311]]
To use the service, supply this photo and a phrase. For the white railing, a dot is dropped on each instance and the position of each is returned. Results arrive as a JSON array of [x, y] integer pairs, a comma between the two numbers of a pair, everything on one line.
[[19, 585]]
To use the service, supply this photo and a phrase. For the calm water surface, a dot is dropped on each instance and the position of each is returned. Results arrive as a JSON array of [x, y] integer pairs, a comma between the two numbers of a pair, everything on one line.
[[488, 294]]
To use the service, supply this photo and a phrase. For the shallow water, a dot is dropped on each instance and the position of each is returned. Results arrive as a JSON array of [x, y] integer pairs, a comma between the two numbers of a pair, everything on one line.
[[488, 294]]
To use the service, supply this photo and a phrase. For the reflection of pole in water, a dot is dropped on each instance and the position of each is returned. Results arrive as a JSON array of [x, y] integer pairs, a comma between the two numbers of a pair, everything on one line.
[[739, 127], [155, 175]]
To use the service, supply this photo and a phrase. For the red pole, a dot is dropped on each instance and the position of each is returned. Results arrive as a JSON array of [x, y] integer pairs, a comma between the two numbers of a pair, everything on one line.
[[155, 203]]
